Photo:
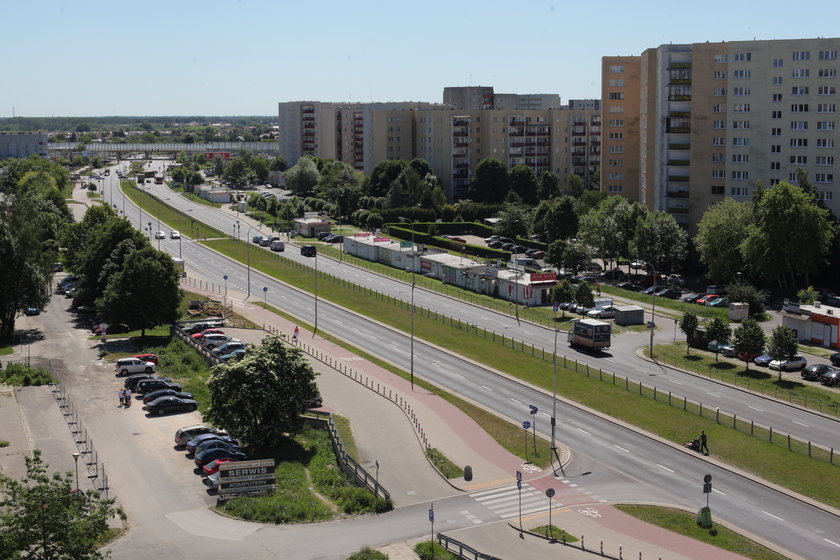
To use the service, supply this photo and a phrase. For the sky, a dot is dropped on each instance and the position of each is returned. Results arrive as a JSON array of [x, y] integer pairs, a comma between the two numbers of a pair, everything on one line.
[[243, 57]]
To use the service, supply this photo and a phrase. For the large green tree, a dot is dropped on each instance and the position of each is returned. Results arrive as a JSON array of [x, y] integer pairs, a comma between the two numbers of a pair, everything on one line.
[[548, 185], [688, 325], [782, 345], [97, 252], [660, 241], [555, 219], [41, 518], [523, 182], [790, 237], [720, 233], [576, 257], [513, 221], [303, 177], [749, 339], [144, 293], [491, 182], [262, 396], [384, 173], [718, 330]]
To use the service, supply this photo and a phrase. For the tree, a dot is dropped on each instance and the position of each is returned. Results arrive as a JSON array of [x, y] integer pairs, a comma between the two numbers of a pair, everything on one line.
[[144, 293], [563, 292], [782, 345], [524, 183], [807, 296], [688, 325], [660, 240], [491, 182], [718, 331], [384, 173], [513, 221], [790, 237], [561, 220], [749, 340], [41, 518], [262, 396], [576, 257], [548, 185], [720, 233], [96, 253], [611, 226], [583, 295], [745, 293], [574, 186], [303, 177], [555, 252]]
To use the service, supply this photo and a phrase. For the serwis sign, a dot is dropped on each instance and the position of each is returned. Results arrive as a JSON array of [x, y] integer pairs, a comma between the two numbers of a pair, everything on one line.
[[246, 477]]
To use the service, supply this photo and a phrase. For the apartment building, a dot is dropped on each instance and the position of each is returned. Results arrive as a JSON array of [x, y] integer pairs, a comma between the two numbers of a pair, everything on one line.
[[706, 121], [22, 144]]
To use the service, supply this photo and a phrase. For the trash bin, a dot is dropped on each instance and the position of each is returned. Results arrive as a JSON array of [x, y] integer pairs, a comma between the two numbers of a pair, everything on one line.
[[468, 473]]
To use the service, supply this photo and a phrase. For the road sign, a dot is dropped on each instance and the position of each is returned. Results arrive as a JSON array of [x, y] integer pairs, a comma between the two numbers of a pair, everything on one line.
[[225, 277], [526, 424], [405, 244], [550, 492], [246, 476], [519, 476], [707, 484], [519, 485], [431, 515], [265, 288], [534, 409]]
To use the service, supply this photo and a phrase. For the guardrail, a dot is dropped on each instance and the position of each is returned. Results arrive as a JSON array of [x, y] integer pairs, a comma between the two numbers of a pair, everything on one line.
[[209, 356], [461, 550]]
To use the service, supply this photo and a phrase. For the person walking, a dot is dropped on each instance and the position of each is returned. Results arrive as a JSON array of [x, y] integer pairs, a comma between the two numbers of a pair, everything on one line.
[[128, 398], [296, 334], [122, 397], [703, 448]]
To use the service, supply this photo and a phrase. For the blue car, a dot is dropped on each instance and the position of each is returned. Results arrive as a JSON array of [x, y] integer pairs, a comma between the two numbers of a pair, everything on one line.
[[763, 360], [193, 444], [235, 355]]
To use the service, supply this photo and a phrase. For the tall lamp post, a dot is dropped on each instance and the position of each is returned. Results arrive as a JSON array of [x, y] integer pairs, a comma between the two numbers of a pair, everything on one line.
[[316, 293], [413, 282], [554, 405], [652, 324], [248, 258], [76, 459]]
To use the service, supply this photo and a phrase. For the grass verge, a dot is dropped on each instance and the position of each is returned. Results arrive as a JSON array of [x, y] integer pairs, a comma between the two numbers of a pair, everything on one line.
[[7, 345], [677, 306], [685, 524], [552, 532], [168, 214], [20, 375], [443, 464], [430, 550]]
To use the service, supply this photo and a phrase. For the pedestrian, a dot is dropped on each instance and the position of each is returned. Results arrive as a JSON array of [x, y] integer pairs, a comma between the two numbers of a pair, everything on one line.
[[122, 397], [127, 398], [598, 288], [296, 334], [703, 442]]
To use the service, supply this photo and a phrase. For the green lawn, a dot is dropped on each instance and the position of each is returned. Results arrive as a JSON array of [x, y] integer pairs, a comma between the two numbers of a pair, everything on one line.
[[167, 214], [685, 524], [668, 306]]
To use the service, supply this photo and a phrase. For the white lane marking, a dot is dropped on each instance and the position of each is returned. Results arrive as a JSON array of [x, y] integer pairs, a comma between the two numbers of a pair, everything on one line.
[[437, 365], [832, 542], [546, 414], [516, 401], [584, 431], [754, 408], [771, 515], [486, 387], [674, 381], [800, 423], [610, 360], [665, 468], [714, 395], [619, 447], [718, 491], [459, 375], [640, 370]]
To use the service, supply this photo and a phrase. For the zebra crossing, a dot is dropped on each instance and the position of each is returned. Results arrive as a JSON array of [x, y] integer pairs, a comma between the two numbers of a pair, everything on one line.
[[504, 501]]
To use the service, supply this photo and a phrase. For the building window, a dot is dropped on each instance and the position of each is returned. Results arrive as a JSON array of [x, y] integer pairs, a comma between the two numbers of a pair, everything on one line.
[[778, 63], [616, 136], [799, 90], [742, 57], [775, 165], [741, 91], [616, 69], [798, 142], [776, 115], [825, 142], [740, 141], [775, 132], [718, 141], [718, 158], [799, 125], [616, 188], [720, 74], [740, 158], [718, 173], [823, 177], [719, 108], [720, 125], [824, 195], [616, 149], [792, 177], [777, 98], [826, 90], [825, 125], [800, 73], [776, 148], [799, 160], [616, 122], [615, 162], [718, 189], [742, 74], [777, 80], [828, 55], [616, 95], [801, 55], [827, 73], [799, 108], [825, 160], [720, 58], [825, 107], [740, 124], [720, 92], [615, 176], [741, 108], [617, 83], [739, 191], [616, 109], [774, 182]]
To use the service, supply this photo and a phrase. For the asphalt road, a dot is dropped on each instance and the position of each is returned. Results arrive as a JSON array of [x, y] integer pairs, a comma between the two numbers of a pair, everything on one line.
[[603, 448]]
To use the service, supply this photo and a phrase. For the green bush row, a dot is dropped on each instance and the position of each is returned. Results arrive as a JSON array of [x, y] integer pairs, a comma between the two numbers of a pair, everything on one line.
[[17, 374]]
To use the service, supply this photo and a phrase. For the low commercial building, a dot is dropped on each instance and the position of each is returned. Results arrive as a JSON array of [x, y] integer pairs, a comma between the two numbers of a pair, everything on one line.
[[817, 324], [311, 225], [21, 145], [213, 194], [629, 315]]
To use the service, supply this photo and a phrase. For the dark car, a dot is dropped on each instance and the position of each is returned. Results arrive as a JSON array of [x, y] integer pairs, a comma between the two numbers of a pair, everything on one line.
[[210, 455], [507, 247], [495, 244], [146, 386], [614, 274], [519, 249], [322, 235], [668, 293], [132, 380], [632, 286], [763, 360], [835, 359], [308, 250], [652, 290], [187, 433], [227, 443], [692, 298], [195, 442], [149, 397], [165, 405], [334, 239], [831, 378], [814, 372]]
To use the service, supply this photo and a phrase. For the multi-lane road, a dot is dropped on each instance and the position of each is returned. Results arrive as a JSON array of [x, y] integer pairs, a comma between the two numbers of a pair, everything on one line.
[[602, 448]]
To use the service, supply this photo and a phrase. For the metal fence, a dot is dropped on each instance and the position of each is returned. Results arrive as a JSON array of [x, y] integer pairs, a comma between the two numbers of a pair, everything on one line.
[[462, 550]]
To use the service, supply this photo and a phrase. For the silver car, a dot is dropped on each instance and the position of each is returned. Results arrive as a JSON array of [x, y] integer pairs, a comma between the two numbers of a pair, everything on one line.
[[796, 364]]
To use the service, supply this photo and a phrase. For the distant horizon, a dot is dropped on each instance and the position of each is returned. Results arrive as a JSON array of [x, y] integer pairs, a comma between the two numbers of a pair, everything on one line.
[[241, 59]]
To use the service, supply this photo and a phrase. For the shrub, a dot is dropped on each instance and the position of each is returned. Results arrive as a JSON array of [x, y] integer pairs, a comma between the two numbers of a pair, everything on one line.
[[367, 554], [429, 550], [19, 374]]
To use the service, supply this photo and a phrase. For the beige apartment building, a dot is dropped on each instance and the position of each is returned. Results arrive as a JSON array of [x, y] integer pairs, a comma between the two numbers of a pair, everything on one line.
[[453, 137], [688, 125]]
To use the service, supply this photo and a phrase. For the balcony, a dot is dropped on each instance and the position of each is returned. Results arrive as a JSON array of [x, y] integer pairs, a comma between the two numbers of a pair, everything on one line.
[[678, 178], [677, 210], [308, 110], [679, 98], [516, 122], [678, 146], [679, 162], [679, 114], [676, 194], [678, 130], [675, 65], [460, 122]]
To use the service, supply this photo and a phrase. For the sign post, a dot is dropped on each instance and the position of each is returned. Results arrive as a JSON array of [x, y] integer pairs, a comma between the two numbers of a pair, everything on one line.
[[704, 515], [526, 424], [550, 494], [432, 521], [519, 488], [534, 411]]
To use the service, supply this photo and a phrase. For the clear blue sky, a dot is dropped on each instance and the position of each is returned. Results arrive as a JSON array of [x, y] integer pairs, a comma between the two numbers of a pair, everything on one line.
[[181, 57]]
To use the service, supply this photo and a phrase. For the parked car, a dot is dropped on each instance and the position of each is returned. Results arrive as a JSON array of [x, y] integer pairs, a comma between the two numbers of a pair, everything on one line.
[[607, 312], [763, 360], [277, 246], [308, 250], [146, 386], [507, 247], [715, 346], [185, 434], [692, 298], [147, 358], [165, 405], [227, 443], [676, 280], [702, 300], [149, 397], [212, 340], [637, 264], [495, 244], [335, 239], [632, 286], [200, 335], [814, 372], [835, 359], [228, 347], [212, 480], [195, 442], [798, 362], [538, 254], [209, 455], [491, 239], [257, 239], [668, 293], [213, 466], [830, 378], [716, 290], [744, 357], [614, 274], [716, 302], [126, 366], [652, 290], [131, 381], [196, 327], [729, 351], [237, 354], [322, 235], [265, 241]]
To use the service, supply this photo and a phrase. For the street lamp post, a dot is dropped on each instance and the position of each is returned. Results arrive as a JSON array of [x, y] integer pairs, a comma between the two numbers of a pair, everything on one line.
[[413, 283], [554, 403], [316, 293], [652, 325], [248, 258], [76, 459]]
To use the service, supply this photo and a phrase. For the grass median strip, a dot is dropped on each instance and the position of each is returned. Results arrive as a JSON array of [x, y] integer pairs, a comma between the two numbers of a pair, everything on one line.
[[810, 477], [167, 214]]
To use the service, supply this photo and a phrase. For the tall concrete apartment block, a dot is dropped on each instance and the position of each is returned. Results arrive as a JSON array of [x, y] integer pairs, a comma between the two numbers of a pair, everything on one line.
[[706, 121], [23, 144]]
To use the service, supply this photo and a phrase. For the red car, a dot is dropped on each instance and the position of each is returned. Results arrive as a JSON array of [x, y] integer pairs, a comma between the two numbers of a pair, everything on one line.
[[199, 336], [147, 358], [704, 299], [213, 466]]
